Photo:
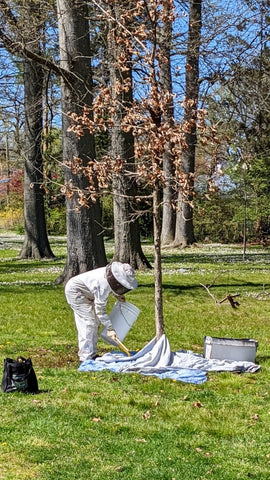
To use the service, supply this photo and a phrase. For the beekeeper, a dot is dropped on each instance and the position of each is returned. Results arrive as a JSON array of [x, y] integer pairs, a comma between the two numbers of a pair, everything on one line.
[[87, 294]]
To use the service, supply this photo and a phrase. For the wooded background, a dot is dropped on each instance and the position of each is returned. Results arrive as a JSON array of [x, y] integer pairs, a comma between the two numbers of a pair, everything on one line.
[[112, 108]]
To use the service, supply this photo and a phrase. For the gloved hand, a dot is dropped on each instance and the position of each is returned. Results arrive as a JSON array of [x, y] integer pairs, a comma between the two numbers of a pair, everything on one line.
[[111, 333], [121, 298]]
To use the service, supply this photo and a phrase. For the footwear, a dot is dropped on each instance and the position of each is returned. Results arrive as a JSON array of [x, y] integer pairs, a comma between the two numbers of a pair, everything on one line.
[[96, 355]]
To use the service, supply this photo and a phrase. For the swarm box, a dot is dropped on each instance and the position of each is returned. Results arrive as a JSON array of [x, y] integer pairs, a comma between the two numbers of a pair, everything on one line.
[[241, 349]]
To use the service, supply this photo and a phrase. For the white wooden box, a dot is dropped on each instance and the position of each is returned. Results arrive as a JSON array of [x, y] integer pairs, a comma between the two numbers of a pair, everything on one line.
[[242, 349]]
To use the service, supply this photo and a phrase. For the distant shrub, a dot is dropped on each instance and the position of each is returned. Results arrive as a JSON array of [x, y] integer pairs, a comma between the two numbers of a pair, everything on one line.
[[11, 217], [56, 220], [107, 215]]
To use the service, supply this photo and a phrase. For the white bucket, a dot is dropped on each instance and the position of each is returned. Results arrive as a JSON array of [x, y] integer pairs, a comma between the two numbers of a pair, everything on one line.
[[122, 316]]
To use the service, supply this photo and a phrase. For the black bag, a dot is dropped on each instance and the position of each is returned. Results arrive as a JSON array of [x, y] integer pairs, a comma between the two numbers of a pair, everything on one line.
[[19, 376]]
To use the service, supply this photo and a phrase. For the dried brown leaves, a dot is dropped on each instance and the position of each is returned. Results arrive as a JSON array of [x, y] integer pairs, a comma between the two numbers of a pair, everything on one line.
[[155, 132]]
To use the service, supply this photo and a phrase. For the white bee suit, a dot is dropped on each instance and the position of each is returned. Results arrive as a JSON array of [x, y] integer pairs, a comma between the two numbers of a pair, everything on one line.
[[87, 294]]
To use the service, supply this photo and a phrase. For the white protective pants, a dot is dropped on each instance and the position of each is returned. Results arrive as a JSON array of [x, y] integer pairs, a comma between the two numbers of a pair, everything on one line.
[[82, 303]]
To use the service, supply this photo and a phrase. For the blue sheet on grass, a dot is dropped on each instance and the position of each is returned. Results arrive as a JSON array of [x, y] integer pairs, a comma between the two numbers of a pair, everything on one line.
[[157, 359]]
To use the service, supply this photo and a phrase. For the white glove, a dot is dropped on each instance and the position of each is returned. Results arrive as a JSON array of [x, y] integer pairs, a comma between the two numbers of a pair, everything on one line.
[[111, 333]]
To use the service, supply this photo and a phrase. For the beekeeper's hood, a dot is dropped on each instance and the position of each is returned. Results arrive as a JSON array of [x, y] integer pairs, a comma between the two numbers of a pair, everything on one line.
[[121, 277]]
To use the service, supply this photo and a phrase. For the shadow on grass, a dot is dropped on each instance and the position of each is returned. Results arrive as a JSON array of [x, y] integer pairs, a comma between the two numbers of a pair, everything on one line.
[[26, 287], [262, 358], [26, 265], [203, 258], [194, 286]]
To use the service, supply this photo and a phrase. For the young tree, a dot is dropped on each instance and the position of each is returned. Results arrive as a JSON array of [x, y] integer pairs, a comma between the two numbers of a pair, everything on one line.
[[145, 119]]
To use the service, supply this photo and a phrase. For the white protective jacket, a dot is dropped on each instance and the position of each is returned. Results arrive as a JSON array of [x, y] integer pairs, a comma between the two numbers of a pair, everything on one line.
[[95, 287]]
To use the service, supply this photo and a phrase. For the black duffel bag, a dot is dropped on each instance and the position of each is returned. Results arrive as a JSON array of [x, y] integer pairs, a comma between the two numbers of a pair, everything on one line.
[[19, 376]]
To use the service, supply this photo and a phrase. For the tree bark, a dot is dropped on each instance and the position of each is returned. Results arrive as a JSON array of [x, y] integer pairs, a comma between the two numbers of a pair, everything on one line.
[[159, 321], [126, 229], [169, 194], [85, 245], [36, 243], [184, 232]]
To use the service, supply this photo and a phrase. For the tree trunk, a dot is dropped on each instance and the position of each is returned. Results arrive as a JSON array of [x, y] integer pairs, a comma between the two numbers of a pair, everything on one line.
[[85, 245], [36, 243], [126, 229], [159, 322], [168, 216], [184, 232]]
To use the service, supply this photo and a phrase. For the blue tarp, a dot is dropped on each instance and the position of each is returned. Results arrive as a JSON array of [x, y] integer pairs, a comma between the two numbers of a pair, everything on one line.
[[157, 359]]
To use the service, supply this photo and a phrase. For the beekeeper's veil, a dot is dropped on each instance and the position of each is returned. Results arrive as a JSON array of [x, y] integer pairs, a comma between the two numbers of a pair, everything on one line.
[[121, 277]]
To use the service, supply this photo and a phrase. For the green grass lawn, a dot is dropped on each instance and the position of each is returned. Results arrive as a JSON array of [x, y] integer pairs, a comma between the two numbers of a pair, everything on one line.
[[107, 426]]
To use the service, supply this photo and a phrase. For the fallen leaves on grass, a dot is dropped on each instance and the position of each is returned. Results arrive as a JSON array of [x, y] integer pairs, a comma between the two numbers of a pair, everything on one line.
[[146, 415], [200, 450], [255, 417], [197, 404]]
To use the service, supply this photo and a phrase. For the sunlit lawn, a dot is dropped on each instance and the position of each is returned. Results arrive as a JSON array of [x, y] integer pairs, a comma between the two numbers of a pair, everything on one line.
[[102, 425]]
